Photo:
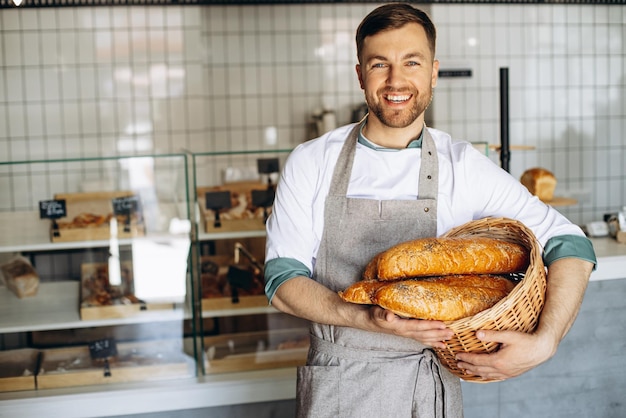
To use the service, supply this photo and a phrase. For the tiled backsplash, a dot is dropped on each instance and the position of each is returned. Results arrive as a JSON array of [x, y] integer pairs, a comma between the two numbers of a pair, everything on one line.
[[88, 81]]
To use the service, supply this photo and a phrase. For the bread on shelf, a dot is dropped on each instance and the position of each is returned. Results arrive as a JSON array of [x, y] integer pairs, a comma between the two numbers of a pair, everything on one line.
[[540, 182]]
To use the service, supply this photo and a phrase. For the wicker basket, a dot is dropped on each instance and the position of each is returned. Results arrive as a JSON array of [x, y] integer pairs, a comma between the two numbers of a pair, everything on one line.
[[518, 311]]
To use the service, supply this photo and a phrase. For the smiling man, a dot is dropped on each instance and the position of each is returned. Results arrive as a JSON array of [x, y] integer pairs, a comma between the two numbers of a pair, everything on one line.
[[362, 188]]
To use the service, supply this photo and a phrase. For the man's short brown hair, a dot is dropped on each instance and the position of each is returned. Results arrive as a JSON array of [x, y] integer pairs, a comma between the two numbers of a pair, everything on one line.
[[394, 16]]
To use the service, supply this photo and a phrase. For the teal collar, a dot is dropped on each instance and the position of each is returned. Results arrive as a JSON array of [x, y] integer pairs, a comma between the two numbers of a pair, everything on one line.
[[416, 143]]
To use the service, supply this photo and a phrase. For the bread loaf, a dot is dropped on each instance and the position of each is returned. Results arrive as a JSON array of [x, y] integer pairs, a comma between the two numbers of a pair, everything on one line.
[[371, 270], [446, 298], [539, 182], [447, 256], [20, 277], [362, 291]]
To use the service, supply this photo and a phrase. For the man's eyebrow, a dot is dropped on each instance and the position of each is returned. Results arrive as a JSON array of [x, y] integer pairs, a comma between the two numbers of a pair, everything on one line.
[[414, 55], [376, 58], [405, 57]]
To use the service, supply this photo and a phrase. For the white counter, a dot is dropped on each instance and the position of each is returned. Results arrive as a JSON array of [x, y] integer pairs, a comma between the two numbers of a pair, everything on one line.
[[611, 257]]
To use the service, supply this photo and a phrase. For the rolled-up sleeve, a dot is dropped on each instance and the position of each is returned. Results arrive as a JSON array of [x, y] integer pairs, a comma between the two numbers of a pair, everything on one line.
[[569, 246], [279, 270]]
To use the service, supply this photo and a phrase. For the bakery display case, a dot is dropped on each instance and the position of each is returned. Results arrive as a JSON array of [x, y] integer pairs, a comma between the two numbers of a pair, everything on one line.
[[234, 193], [140, 279], [95, 272]]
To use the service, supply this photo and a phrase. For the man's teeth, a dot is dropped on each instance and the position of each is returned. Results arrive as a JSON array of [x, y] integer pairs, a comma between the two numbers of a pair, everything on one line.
[[398, 98]]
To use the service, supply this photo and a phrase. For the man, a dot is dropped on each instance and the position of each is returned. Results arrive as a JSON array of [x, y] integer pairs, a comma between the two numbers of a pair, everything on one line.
[[362, 188]]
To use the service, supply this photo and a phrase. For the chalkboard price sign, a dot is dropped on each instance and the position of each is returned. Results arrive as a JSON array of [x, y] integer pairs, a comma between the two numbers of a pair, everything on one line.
[[268, 165], [125, 205], [103, 349], [217, 200], [263, 198], [52, 209]]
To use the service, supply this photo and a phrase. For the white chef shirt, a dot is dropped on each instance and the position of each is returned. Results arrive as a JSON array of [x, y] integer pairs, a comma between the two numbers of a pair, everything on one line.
[[471, 187]]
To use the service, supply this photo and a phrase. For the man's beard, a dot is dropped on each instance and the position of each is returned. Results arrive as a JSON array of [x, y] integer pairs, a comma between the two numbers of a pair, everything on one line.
[[400, 118]]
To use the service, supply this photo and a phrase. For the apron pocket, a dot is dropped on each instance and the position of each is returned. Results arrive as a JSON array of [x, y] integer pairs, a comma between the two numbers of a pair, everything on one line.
[[344, 391], [318, 392]]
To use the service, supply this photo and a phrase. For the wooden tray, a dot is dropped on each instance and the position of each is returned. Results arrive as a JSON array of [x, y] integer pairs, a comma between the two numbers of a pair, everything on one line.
[[18, 369], [243, 216], [218, 296], [227, 303], [256, 350], [117, 301], [122, 311], [153, 360], [562, 201], [98, 204]]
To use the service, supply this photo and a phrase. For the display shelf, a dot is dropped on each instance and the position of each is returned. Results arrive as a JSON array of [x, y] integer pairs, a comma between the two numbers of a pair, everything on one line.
[[56, 306], [152, 397], [204, 236], [240, 311], [25, 232]]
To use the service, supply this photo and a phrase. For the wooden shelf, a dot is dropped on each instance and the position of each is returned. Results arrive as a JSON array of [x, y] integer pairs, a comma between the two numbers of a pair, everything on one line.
[[562, 201], [204, 236], [25, 232], [56, 306]]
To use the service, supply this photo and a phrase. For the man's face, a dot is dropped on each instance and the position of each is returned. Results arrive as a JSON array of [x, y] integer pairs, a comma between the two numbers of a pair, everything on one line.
[[397, 73]]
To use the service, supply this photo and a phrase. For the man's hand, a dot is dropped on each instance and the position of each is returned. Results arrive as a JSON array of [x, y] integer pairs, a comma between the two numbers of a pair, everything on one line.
[[518, 353], [430, 333]]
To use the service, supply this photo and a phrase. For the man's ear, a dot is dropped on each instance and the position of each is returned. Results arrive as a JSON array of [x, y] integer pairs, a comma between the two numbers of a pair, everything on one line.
[[358, 74], [435, 74]]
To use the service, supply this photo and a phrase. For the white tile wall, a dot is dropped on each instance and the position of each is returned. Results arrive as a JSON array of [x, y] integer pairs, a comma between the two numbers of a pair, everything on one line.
[[81, 82]]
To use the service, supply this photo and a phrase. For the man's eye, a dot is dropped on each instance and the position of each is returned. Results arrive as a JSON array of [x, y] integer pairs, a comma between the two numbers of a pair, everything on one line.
[[378, 65], [412, 63]]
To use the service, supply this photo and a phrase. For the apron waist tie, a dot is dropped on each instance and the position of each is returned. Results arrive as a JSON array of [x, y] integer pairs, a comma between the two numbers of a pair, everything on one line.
[[371, 355]]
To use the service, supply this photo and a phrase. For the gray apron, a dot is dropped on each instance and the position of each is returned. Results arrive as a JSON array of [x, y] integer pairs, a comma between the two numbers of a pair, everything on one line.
[[355, 373]]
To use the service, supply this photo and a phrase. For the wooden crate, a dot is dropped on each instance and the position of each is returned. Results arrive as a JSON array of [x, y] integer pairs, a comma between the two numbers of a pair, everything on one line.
[[18, 369], [245, 302], [242, 216], [99, 205], [216, 293], [100, 300], [256, 350], [121, 311], [144, 361]]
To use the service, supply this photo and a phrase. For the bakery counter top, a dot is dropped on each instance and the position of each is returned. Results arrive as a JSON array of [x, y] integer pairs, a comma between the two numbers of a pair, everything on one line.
[[611, 257], [56, 306]]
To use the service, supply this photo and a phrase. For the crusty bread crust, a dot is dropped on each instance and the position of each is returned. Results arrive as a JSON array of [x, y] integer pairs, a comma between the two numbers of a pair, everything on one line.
[[362, 292], [446, 298], [448, 256]]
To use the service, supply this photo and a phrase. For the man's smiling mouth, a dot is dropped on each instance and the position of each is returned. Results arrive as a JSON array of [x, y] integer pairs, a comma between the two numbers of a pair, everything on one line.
[[397, 98]]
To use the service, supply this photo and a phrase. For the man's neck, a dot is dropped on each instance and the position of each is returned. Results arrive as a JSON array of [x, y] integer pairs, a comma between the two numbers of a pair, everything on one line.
[[388, 137]]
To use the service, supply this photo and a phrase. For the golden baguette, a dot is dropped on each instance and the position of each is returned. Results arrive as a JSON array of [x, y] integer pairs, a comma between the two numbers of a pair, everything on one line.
[[362, 291], [446, 299], [371, 270], [446, 256]]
